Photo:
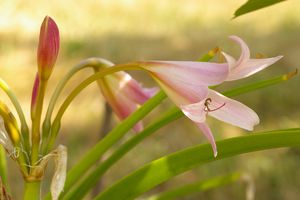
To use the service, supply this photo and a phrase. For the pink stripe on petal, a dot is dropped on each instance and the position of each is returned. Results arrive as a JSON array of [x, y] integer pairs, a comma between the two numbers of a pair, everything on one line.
[[232, 111], [208, 134], [187, 72], [251, 67]]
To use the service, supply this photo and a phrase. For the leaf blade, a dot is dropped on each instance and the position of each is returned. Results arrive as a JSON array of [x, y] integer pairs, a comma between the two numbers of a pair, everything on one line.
[[253, 5]]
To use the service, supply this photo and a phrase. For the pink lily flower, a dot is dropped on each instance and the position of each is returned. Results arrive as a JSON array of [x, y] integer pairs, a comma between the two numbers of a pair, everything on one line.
[[124, 94], [224, 108], [186, 83]]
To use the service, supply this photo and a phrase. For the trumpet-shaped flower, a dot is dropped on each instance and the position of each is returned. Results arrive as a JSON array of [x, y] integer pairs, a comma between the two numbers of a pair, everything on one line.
[[48, 47], [186, 83], [124, 94]]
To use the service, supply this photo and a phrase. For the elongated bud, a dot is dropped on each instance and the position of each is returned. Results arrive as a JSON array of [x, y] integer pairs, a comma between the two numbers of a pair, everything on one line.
[[10, 124], [35, 91], [48, 47]]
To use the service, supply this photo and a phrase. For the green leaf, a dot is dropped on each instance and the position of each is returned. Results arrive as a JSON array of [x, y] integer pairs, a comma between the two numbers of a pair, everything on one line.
[[252, 5], [198, 186], [89, 181], [161, 170]]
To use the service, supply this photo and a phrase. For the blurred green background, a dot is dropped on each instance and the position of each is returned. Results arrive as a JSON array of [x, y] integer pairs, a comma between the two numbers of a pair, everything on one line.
[[127, 30]]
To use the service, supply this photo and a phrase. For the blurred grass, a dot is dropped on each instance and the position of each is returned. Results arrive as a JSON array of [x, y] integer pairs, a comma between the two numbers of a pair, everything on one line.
[[126, 30]]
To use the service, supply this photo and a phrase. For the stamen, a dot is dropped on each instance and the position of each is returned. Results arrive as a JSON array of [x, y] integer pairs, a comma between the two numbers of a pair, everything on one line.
[[206, 106]]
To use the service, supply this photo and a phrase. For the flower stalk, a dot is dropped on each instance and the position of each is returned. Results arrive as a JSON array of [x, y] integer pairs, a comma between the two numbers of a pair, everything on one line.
[[32, 190]]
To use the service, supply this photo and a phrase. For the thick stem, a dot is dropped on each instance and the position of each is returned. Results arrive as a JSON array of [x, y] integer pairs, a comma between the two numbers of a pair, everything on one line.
[[36, 120], [32, 190]]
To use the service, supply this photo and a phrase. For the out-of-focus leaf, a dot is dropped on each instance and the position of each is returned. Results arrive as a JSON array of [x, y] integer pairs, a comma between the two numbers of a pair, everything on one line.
[[198, 186], [252, 5]]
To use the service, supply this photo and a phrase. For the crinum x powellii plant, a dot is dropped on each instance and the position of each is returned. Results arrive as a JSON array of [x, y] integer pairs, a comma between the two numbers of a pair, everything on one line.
[[188, 84]]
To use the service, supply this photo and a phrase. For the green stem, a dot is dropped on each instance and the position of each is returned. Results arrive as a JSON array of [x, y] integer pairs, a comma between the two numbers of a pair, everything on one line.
[[36, 120], [78, 89], [164, 168], [90, 62], [32, 190], [24, 127]]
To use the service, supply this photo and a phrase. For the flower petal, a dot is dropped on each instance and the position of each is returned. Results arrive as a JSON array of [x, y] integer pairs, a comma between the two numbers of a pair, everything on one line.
[[251, 67], [245, 66], [182, 93], [232, 111], [208, 134], [195, 111], [135, 91], [245, 52], [187, 72]]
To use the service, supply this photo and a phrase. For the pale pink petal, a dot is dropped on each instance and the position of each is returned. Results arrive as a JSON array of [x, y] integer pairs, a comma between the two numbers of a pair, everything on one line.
[[245, 52], [230, 60], [252, 66], [118, 99], [245, 66], [232, 111], [124, 107], [187, 72], [182, 93], [195, 111], [136, 92], [208, 134]]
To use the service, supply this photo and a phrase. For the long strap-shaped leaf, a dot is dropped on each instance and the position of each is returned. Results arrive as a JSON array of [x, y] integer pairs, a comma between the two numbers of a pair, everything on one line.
[[88, 182], [198, 186], [169, 166]]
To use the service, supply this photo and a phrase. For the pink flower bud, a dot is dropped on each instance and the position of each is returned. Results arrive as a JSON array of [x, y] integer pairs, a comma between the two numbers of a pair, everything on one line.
[[48, 47]]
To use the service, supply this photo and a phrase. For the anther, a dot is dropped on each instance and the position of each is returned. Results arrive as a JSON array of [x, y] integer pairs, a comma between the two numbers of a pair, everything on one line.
[[206, 106]]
